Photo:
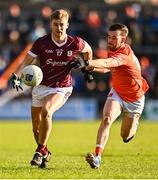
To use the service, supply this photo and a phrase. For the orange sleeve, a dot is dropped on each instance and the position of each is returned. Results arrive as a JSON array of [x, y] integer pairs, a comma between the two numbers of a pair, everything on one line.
[[116, 60]]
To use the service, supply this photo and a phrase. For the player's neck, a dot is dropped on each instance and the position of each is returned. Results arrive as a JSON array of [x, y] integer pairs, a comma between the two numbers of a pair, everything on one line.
[[60, 39]]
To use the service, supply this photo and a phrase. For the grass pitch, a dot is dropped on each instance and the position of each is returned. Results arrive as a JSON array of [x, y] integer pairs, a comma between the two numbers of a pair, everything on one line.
[[69, 142]]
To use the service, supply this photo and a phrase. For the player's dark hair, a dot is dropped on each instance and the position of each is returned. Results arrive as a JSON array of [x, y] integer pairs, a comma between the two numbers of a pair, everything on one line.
[[59, 14], [118, 26]]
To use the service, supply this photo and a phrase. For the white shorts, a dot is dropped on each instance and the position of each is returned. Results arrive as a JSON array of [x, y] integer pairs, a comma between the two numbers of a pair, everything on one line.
[[39, 93], [128, 107]]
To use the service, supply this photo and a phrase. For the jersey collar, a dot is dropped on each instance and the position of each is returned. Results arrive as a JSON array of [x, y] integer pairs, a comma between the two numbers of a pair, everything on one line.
[[59, 44]]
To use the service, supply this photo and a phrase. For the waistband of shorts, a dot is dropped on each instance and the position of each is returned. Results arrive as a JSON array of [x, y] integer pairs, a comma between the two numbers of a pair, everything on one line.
[[56, 86]]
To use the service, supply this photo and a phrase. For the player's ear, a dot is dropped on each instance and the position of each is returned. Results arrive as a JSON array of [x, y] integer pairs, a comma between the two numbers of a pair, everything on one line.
[[124, 38]]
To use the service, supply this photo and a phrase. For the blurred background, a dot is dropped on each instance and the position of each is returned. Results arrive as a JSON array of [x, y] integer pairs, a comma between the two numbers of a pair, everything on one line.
[[23, 21]]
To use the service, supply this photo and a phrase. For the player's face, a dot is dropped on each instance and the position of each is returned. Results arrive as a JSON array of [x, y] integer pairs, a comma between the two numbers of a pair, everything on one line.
[[59, 27], [114, 40]]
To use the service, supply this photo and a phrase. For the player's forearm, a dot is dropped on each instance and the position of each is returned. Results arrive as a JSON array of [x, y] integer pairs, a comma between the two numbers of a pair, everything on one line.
[[101, 70], [27, 60], [87, 55], [106, 63], [87, 52]]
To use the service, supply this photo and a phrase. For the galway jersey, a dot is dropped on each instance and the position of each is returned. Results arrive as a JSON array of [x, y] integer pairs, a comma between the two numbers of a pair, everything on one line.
[[126, 74], [54, 58]]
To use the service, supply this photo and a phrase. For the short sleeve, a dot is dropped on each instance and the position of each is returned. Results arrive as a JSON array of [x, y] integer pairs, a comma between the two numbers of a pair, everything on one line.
[[35, 50], [81, 43]]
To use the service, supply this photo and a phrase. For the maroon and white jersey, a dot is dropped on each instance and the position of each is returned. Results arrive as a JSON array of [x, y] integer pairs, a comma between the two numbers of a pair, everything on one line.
[[54, 59]]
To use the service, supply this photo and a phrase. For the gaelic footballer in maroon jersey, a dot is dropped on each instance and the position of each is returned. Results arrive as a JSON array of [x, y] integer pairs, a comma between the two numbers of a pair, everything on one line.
[[54, 59], [54, 51]]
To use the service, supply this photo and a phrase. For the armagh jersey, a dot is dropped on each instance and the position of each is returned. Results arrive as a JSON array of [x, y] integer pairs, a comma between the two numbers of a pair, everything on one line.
[[126, 74], [54, 59]]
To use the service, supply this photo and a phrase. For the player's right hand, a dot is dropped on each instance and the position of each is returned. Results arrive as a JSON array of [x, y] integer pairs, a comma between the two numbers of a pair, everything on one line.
[[16, 82]]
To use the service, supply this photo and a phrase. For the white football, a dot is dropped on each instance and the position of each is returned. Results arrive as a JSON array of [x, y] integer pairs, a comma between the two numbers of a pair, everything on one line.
[[31, 75]]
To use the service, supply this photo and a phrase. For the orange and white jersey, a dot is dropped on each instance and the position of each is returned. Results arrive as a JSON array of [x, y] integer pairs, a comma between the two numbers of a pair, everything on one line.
[[126, 74]]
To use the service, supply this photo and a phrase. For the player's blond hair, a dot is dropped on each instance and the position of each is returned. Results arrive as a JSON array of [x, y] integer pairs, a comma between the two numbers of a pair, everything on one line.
[[118, 26], [60, 14]]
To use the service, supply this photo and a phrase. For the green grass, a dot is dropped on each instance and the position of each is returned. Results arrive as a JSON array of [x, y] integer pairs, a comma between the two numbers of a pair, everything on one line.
[[69, 142]]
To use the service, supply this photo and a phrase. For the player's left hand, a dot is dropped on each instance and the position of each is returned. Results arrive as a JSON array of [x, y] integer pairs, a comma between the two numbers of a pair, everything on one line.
[[78, 63], [16, 82]]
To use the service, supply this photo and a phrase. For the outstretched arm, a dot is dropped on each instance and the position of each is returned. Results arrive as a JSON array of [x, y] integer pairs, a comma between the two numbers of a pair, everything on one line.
[[107, 63]]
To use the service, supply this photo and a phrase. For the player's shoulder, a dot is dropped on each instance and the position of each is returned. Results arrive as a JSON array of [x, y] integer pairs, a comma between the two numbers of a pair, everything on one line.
[[43, 38], [125, 49], [74, 39], [76, 42]]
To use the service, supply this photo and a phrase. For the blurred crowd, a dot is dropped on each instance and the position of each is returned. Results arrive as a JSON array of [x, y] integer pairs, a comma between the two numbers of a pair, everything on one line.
[[21, 24]]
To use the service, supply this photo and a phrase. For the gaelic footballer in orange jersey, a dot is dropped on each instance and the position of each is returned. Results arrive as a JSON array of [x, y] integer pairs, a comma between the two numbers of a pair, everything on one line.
[[126, 94], [126, 74]]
